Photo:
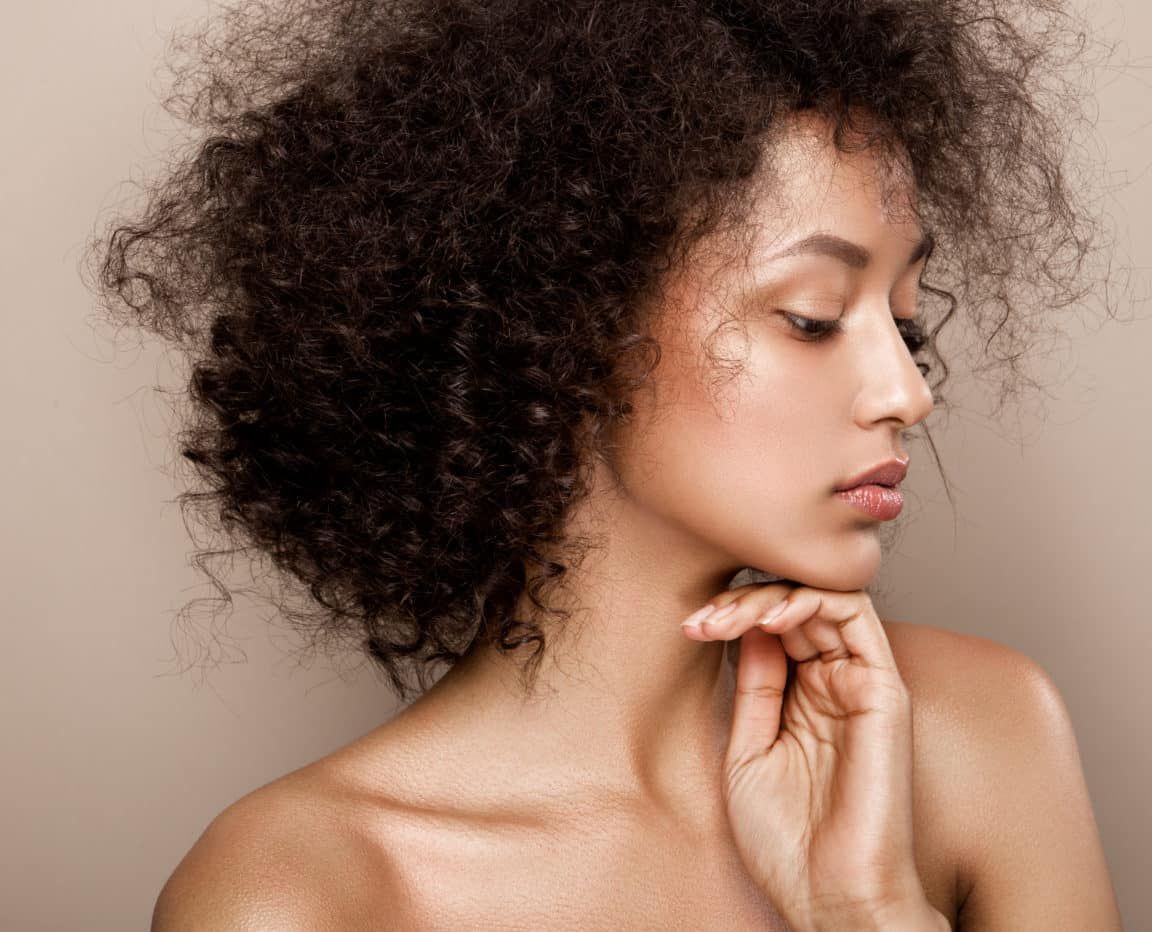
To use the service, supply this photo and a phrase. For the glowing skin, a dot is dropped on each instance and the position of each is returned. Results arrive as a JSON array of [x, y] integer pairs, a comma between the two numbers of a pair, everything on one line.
[[718, 473]]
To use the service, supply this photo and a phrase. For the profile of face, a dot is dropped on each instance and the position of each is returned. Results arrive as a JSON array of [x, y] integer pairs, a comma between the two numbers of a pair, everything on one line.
[[744, 468]]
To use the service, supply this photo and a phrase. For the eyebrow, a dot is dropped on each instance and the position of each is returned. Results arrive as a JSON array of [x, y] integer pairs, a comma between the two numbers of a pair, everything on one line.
[[852, 254]]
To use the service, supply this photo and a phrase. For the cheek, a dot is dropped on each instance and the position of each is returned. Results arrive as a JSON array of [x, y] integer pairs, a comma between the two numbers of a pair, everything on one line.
[[749, 467], [759, 443], [757, 486]]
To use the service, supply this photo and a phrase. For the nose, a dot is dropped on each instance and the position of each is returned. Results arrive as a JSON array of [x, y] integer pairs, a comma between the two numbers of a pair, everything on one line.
[[892, 386]]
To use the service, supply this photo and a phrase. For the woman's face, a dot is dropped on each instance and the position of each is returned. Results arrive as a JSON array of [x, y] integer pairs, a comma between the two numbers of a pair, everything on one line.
[[746, 466]]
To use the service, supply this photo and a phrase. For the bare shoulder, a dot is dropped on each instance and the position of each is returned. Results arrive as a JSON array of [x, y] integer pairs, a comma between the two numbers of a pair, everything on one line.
[[997, 746], [923, 652], [984, 691], [282, 857]]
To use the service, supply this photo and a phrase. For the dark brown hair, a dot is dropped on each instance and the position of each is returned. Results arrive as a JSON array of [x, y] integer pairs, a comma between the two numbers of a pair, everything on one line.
[[406, 253]]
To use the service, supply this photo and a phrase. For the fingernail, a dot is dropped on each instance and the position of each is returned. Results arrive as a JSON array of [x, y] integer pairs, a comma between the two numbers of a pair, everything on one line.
[[693, 620], [773, 613]]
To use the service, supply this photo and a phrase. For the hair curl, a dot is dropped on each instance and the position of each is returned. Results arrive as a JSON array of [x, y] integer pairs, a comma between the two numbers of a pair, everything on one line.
[[407, 255]]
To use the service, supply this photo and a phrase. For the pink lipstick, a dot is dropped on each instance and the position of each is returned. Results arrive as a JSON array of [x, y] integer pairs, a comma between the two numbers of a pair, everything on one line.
[[875, 491], [880, 501]]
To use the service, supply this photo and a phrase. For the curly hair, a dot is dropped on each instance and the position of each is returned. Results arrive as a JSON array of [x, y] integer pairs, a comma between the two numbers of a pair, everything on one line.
[[407, 253]]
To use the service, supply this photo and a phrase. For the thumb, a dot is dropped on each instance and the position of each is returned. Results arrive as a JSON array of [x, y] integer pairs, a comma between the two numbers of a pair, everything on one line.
[[761, 675]]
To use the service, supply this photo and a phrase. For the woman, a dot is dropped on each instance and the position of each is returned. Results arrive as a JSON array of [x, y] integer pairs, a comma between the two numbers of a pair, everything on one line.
[[519, 331]]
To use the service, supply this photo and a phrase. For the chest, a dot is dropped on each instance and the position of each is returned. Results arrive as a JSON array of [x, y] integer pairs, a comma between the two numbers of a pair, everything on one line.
[[542, 880], [560, 885]]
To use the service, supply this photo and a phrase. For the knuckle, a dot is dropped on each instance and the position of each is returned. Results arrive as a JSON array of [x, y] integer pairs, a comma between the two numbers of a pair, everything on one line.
[[764, 691]]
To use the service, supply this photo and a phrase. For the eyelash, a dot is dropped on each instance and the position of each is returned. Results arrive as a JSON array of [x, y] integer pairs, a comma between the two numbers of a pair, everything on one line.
[[914, 336]]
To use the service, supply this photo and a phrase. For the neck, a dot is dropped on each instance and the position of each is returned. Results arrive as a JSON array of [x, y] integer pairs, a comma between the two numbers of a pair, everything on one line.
[[623, 700]]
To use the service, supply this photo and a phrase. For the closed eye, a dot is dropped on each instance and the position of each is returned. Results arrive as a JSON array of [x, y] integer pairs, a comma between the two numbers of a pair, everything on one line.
[[813, 330], [817, 331]]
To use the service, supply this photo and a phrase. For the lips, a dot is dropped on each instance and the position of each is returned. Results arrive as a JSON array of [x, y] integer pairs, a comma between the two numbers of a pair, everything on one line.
[[889, 473], [877, 501]]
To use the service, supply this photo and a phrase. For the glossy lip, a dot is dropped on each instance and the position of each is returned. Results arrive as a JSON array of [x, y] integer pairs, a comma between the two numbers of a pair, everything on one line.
[[889, 473]]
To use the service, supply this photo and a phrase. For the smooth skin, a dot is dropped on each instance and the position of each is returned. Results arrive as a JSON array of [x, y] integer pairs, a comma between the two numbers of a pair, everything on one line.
[[645, 785], [818, 777], [1006, 838]]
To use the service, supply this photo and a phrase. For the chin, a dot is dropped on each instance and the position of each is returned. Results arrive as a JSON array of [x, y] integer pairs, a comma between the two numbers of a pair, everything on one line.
[[838, 568]]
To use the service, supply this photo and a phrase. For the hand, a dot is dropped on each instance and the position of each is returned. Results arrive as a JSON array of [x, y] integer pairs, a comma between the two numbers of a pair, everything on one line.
[[818, 779]]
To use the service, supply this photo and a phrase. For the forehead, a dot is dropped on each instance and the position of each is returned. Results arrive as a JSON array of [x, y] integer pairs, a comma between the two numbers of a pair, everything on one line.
[[807, 182]]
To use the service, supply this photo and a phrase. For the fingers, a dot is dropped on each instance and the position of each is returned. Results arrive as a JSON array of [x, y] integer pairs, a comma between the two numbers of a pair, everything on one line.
[[760, 680], [812, 623], [739, 605], [737, 610]]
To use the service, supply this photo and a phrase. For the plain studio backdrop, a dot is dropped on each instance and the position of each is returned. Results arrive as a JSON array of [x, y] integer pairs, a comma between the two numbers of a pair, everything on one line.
[[113, 764]]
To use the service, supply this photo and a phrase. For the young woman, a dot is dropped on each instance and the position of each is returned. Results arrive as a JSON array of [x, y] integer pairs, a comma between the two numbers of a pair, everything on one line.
[[519, 331]]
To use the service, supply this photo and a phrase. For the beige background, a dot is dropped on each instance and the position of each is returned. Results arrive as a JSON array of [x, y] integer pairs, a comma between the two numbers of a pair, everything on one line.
[[112, 768]]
